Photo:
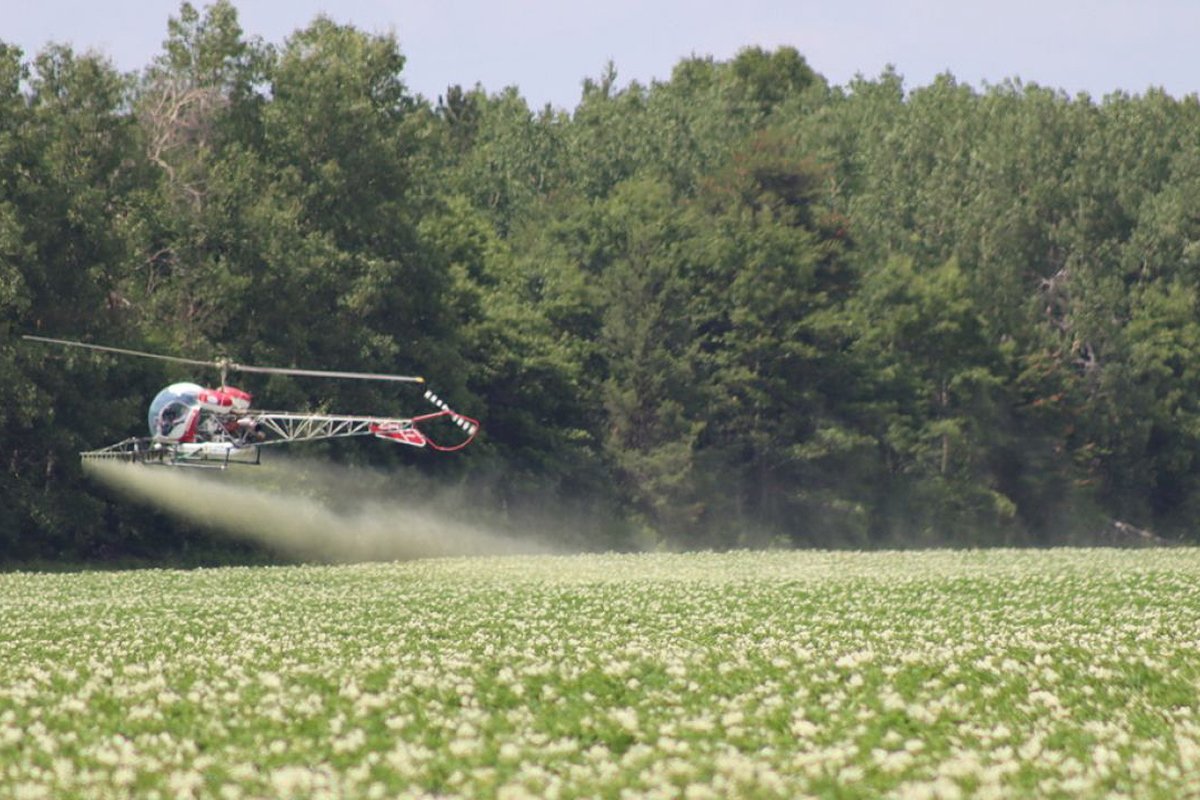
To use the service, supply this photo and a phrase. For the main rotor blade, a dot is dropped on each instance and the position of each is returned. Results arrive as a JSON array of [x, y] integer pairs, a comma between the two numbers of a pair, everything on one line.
[[122, 351], [225, 364], [321, 373]]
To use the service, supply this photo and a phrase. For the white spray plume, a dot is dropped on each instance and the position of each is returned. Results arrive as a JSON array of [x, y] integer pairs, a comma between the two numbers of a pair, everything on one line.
[[312, 511]]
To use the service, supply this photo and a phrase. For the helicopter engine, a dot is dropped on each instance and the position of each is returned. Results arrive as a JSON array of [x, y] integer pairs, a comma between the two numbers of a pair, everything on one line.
[[227, 398]]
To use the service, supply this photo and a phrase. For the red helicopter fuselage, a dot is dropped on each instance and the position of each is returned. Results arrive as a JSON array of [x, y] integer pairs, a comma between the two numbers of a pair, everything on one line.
[[177, 413]]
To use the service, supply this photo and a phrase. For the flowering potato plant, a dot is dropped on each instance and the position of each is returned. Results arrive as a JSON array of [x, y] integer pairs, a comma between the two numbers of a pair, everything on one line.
[[780, 674]]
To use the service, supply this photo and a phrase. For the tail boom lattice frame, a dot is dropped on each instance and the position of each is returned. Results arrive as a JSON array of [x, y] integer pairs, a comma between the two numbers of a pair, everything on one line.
[[287, 426]]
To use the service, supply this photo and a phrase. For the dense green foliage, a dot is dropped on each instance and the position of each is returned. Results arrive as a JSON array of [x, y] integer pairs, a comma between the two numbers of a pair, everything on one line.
[[1062, 673], [735, 307]]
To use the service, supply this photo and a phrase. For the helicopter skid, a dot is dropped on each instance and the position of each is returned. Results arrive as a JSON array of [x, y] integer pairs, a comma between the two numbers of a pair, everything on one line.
[[210, 455]]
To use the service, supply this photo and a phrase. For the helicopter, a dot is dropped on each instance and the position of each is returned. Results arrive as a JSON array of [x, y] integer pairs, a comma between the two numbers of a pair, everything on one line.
[[194, 426]]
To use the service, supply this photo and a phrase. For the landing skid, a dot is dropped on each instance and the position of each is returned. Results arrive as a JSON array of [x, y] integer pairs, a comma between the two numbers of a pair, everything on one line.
[[204, 455]]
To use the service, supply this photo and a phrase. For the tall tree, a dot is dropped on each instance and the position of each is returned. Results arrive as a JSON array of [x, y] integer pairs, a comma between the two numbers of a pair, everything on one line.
[[652, 393], [65, 178], [940, 400], [342, 131], [771, 276]]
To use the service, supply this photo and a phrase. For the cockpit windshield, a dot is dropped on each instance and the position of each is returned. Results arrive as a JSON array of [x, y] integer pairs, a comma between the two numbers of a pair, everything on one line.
[[171, 407]]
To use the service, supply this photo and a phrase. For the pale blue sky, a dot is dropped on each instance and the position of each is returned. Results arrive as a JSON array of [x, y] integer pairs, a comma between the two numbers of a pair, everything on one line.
[[547, 47]]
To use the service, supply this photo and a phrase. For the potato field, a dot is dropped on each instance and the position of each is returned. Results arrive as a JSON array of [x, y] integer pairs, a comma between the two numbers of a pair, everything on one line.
[[747, 674]]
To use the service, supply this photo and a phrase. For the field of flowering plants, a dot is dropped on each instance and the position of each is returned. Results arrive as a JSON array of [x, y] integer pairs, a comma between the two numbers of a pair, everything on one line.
[[922, 674]]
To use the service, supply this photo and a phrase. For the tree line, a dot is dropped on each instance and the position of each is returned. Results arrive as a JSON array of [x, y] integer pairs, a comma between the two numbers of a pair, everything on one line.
[[737, 307]]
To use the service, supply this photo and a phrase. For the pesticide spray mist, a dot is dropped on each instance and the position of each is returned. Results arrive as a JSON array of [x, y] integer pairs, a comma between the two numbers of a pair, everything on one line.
[[316, 511]]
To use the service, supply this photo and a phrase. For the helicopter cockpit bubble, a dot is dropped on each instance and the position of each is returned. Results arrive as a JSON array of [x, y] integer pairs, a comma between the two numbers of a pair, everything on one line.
[[174, 413]]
